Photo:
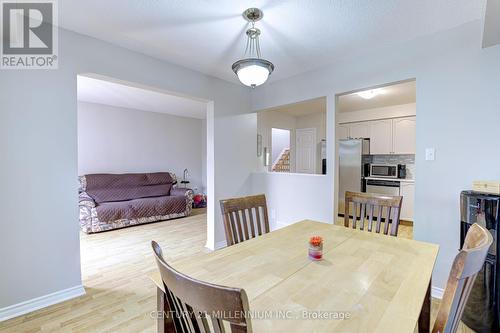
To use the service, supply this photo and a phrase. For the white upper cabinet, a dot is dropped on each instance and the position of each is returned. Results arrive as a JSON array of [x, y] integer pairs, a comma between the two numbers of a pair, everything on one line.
[[342, 132], [404, 135], [381, 137], [389, 136], [359, 130]]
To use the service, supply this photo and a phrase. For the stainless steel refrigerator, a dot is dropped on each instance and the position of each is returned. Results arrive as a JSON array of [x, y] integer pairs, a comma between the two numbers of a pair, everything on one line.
[[351, 167]]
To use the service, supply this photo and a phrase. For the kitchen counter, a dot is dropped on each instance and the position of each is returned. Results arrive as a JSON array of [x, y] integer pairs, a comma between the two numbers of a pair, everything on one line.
[[402, 180]]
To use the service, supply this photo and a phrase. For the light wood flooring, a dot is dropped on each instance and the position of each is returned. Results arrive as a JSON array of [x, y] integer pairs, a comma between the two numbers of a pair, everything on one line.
[[115, 265]]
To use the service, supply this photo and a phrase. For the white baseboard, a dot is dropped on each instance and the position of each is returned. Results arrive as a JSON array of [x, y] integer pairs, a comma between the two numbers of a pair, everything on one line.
[[280, 225], [221, 244], [40, 302], [437, 292]]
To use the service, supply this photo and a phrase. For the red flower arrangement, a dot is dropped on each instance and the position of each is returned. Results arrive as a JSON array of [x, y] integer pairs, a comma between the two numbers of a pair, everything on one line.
[[316, 248], [316, 240]]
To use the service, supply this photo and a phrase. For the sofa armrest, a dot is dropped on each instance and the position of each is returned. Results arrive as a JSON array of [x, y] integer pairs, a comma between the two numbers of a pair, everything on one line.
[[85, 200], [188, 194], [176, 191]]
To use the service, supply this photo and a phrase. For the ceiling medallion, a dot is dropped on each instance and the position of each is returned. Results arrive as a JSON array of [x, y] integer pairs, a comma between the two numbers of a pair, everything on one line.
[[252, 70]]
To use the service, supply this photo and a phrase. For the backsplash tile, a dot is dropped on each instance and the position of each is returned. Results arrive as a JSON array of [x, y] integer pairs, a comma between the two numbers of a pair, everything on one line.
[[409, 160], [393, 159]]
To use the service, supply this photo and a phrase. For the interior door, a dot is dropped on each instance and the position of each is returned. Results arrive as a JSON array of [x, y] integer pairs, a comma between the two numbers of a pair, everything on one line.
[[305, 147]]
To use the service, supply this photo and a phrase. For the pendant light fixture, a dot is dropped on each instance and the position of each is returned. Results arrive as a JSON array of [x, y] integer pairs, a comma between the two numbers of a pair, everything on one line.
[[252, 70]]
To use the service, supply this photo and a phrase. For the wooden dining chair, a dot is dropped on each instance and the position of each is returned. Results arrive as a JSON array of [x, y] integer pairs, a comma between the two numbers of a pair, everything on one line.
[[192, 303], [375, 208], [244, 218], [466, 266]]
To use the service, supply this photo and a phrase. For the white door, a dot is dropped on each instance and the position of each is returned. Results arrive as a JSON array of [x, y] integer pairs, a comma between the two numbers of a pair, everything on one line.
[[404, 135], [305, 147], [342, 132], [381, 137], [359, 130]]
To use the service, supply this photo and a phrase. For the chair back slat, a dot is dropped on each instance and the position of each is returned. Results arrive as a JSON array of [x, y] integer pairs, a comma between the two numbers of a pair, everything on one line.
[[251, 221], [379, 218], [190, 302], [366, 204], [466, 266], [354, 214], [202, 322], [217, 325], [362, 217], [387, 221], [395, 226], [266, 217], [370, 218], [257, 215], [238, 225], [245, 223], [232, 234]]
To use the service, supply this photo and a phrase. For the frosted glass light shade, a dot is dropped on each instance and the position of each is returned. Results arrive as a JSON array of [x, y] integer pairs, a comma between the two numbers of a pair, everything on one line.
[[253, 72]]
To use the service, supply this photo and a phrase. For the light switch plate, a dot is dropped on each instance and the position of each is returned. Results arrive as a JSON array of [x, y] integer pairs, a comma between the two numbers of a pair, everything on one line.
[[430, 154], [272, 213]]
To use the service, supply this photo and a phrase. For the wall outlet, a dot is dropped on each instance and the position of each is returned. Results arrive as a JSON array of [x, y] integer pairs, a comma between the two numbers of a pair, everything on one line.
[[430, 154]]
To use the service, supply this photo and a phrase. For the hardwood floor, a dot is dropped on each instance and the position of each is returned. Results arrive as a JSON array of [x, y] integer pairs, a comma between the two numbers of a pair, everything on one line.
[[405, 230], [115, 265]]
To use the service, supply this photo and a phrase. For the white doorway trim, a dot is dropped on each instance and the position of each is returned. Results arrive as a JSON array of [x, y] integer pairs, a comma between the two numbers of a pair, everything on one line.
[[305, 150]]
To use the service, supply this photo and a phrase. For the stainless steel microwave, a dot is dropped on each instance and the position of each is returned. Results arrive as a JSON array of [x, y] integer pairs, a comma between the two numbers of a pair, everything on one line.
[[384, 170]]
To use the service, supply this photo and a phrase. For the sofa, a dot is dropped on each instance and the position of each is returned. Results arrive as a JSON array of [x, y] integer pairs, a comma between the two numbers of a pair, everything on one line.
[[112, 201]]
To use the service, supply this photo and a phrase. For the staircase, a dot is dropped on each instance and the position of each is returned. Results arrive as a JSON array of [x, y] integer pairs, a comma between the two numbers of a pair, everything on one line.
[[282, 164]]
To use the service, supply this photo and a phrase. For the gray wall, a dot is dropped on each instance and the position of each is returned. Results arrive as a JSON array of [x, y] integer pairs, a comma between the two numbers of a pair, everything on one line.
[[38, 143], [119, 140], [458, 113]]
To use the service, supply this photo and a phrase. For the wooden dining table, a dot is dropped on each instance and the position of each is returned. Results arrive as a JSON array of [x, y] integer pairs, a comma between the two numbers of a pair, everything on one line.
[[366, 282]]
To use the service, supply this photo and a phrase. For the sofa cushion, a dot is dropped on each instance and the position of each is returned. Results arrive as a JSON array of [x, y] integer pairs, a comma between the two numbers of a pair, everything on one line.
[[144, 207], [121, 187]]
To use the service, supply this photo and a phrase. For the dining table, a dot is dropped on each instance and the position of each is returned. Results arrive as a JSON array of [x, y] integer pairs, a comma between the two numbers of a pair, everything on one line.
[[365, 282]]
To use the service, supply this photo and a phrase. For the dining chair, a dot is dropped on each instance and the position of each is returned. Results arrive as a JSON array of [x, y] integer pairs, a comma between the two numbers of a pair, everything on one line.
[[466, 266], [244, 218], [375, 208], [191, 303]]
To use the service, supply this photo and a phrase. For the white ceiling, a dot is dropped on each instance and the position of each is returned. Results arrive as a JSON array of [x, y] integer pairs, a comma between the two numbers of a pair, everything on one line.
[[396, 94], [297, 35], [126, 96], [302, 108]]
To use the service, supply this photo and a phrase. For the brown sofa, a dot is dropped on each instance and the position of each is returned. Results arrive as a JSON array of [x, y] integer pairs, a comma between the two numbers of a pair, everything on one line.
[[112, 201]]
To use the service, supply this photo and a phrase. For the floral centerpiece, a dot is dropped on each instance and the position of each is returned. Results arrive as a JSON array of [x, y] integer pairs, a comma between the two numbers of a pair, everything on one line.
[[316, 248]]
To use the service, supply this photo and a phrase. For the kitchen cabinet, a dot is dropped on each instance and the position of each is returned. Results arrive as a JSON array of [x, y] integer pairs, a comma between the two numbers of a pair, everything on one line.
[[403, 132], [343, 132], [407, 191], [359, 130], [381, 137], [389, 136]]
